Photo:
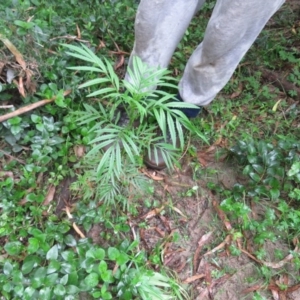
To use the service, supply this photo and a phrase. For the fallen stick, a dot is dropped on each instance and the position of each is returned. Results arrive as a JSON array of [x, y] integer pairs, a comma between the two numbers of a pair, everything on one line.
[[29, 107]]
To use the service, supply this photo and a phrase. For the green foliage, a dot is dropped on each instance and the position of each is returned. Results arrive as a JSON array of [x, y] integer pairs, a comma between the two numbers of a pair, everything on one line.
[[123, 124], [273, 175], [40, 259], [66, 269]]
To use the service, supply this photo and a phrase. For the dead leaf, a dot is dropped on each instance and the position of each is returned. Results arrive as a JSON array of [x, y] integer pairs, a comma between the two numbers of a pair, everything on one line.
[[159, 231], [120, 62], [152, 175], [165, 222], [79, 151], [179, 211], [275, 294], [20, 86], [251, 256], [194, 278], [204, 239], [293, 288], [7, 174], [221, 214], [281, 263], [253, 288], [152, 213], [101, 45], [78, 32], [50, 195], [237, 92], [14, 51], [227, 241]]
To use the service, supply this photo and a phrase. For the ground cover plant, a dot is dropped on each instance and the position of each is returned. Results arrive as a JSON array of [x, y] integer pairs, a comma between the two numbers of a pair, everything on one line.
[[81, 217]]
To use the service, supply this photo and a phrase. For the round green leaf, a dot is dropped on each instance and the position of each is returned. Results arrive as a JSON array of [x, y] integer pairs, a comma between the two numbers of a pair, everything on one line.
[[106, 276], [7, 268], [64, 279], [73, 278], [68, 255], [92, 279], [88, 264], [17, 276], [254, 176], [19, 290], [59, 290], [97, 294], [15, 129], [72, 289], [96, 253], [258, 168], [113, 253], [36, 118], [70, 240], [38, 278], [53, 266], [7, 287], [50, 280], [122, 259], [33, 245], [52, 253], [275, 193], [102, 266], [68, 268], [45, 293], [13, 248], [29, 263], [28, 293]]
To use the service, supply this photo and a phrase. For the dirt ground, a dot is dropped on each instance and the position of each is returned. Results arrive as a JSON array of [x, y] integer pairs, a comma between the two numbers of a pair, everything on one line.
[[200, 255], [194, 236]]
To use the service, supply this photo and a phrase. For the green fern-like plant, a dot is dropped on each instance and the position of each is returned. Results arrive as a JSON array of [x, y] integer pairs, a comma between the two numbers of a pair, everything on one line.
[[153, 117]]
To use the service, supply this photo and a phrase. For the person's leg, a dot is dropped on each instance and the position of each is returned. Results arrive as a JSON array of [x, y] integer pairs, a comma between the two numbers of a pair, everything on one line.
[[232, 29], [159, 27]]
